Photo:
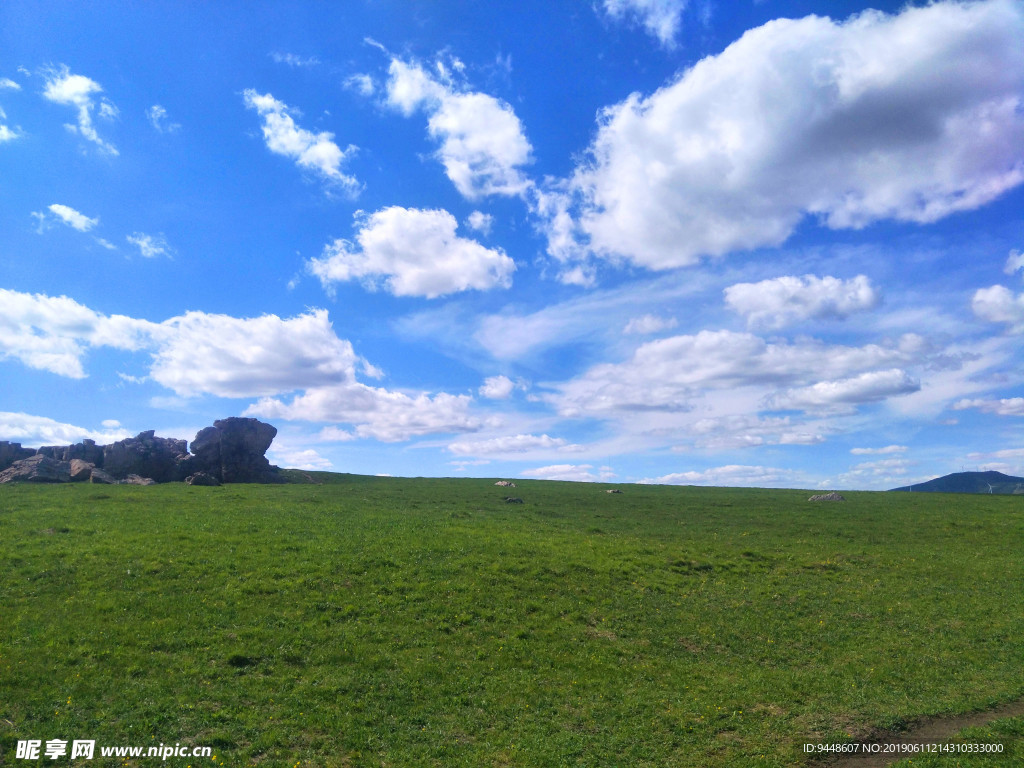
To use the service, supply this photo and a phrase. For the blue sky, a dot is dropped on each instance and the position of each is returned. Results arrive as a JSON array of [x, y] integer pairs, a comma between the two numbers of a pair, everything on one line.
[[754, 243]]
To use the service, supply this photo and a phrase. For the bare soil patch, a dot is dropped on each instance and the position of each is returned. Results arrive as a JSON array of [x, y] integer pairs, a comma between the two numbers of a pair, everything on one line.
[[930, 730]]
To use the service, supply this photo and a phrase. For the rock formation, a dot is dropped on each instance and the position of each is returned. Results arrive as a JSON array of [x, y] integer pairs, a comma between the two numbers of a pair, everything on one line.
[[231, 451], [147, 456], [12, 452]]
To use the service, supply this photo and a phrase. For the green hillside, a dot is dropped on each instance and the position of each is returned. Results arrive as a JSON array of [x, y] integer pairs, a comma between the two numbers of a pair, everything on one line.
[[426, 622]]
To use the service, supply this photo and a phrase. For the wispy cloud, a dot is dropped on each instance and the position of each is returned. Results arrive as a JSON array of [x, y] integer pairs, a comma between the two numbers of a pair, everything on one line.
[[157, 116], [314, 152], [79, 92], [150, 246]]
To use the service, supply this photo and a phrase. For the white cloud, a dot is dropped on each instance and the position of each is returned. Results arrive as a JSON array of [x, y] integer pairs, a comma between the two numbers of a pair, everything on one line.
[[157, 116], [730, 475], [7, 133], [909, 117], [297, 458], [579, 473], [878, 451], [660, 18], [497, 387], [670, 374], [376, 413], [483, 146], [480, 222], [784, 300], [35, 431], [362, 84], [884, 472], [150, 246], [294, 60], [751, 431], [315, 152], [199, 353], [867, 387], [648, 324], [998, 305], [1014, 262], [510, 444], [73, 218], [52, 333], [202, 353], [1011, 406], [77, 91], [416, 253]]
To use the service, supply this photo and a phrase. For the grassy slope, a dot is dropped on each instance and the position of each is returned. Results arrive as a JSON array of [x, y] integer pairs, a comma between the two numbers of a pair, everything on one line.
[[377, 621]]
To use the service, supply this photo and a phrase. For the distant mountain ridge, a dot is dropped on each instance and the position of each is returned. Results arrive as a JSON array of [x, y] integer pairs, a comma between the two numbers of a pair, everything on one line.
[[970, 482]]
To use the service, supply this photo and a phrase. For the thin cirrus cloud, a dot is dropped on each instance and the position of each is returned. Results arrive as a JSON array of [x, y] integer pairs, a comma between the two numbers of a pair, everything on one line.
[[483, 146], [907, 117], [413, 252], [150, 246], [510, 444], [80, 92], [313, 152], [157, 116]]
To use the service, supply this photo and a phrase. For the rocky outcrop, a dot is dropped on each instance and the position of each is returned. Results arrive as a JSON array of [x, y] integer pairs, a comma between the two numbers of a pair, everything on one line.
[[146, 455], [12, 452], [37, 469], [87, 450], [232, 451]]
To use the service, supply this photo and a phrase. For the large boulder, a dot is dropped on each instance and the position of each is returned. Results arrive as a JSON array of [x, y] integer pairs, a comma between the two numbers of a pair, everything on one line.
[[81, 471], [146, 455], [232, 451], [101, 477], [12, 452], [37, 469]]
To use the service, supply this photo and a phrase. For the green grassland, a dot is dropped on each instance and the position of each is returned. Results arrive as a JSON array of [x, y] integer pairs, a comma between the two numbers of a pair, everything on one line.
[[425, 622]]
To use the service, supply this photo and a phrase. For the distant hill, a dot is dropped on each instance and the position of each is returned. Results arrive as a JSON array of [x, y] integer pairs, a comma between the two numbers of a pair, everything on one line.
[[970, 482]]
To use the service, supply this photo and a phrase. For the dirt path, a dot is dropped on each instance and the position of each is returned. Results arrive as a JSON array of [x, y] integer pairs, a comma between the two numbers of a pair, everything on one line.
[[931, 730]]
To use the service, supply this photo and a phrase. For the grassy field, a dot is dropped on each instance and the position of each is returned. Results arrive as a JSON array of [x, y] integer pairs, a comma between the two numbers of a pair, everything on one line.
[[425, 622]]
